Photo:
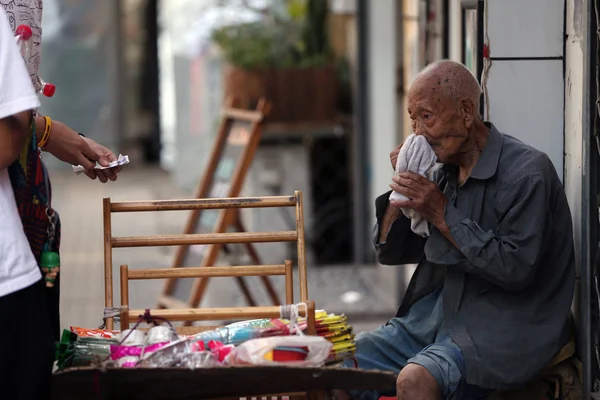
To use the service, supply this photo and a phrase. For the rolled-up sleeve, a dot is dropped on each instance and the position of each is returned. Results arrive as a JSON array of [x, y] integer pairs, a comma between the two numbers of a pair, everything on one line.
[[401, 245], [508, 257]]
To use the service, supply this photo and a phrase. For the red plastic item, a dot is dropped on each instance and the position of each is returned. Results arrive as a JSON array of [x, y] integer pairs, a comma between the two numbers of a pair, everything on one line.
[[286, 354], [219, 349], [24, 32], [48, 89], [486, 51]]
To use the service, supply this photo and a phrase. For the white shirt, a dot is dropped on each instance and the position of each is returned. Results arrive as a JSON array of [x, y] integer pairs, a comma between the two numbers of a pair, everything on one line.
[[18, 268], [28, 12]]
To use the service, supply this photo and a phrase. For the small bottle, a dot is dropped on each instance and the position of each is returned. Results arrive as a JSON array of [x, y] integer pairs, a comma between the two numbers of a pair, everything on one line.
[[23, 35], [47, 89]]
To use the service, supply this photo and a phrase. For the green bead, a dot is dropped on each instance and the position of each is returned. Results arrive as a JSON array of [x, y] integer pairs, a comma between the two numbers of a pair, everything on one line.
[[49, 259]]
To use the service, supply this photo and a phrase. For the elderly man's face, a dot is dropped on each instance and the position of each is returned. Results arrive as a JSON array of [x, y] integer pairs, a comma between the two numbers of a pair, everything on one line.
[[442, 121]]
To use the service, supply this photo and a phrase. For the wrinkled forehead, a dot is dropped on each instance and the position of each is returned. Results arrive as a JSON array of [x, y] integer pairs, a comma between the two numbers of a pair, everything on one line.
[[429, 92]]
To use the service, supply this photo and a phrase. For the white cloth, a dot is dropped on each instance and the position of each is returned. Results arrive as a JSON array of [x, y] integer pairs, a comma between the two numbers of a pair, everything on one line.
[[18, 268], [28, 12], [417, 156]]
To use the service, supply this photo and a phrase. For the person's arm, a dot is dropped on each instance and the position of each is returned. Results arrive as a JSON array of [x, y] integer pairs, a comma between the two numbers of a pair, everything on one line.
[[65, 144], [13, 136], [70, 147], [395, 243], [508, 257]]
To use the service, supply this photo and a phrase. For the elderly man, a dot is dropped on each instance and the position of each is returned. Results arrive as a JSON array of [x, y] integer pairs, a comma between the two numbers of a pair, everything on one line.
[[489, 303]]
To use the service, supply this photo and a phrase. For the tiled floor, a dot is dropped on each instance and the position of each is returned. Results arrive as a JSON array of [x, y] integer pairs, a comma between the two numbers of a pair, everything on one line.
[[79, 202]]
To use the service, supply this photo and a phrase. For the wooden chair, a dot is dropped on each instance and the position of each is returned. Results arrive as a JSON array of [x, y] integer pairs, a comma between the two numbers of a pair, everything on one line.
[[211, 314], [189, 314], [203, 314]]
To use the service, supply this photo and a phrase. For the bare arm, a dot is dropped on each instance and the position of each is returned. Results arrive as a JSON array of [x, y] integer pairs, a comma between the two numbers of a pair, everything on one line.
[[40, 125], [13, 136], [68, 146], [391, 214], [395, 243]]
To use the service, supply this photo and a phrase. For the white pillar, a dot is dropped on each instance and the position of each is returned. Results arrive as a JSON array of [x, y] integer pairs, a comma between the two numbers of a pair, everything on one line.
[[382, 40], [454, 30], [577, 158]]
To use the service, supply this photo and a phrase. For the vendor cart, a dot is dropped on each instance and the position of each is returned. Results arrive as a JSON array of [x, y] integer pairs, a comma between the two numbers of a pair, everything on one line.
[[273, 381]]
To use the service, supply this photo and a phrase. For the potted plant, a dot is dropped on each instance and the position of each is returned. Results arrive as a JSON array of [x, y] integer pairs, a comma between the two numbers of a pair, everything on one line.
[[285, 59]]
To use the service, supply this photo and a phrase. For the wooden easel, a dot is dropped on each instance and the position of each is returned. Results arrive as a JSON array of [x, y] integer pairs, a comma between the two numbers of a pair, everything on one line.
[[230, 159]]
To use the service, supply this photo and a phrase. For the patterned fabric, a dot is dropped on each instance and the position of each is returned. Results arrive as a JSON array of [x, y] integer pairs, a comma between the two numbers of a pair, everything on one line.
[[31, 194], [28, 12]]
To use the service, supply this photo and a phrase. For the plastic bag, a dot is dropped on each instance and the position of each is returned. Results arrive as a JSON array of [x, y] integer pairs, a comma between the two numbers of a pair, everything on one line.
[[182, 353], [281, 350], [241, 332], [95, 333]]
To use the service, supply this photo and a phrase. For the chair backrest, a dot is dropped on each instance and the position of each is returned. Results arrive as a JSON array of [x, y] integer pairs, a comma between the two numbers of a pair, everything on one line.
[[297, 235], [203, 314]]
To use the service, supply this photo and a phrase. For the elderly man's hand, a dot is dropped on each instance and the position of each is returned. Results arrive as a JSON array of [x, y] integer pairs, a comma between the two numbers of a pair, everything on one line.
[[425, 196]]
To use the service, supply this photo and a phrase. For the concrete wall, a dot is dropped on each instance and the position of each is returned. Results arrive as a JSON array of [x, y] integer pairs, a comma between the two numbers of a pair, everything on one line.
[[526, 79], [538, 92]]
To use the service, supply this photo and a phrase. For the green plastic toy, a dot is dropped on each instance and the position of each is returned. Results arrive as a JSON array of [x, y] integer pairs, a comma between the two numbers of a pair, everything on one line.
[[50, 264]]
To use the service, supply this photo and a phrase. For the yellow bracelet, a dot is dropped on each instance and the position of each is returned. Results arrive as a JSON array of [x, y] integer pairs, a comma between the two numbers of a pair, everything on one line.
[[47, 129]]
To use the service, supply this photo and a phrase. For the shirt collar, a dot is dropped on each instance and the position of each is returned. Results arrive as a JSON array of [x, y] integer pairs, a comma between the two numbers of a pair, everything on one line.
[[488, 160]]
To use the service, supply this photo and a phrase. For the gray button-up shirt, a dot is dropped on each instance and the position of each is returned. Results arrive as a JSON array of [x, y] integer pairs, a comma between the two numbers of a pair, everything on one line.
[[508, 288]]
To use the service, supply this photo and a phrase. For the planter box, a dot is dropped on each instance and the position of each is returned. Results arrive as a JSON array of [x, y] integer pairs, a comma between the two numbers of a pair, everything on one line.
[[296, 94]]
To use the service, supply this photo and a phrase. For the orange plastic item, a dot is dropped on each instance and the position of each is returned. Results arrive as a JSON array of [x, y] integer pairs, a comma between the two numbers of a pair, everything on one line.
[[97, 333]]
